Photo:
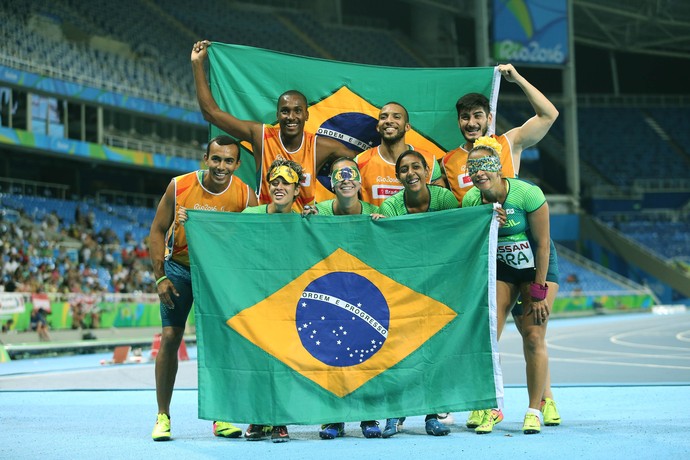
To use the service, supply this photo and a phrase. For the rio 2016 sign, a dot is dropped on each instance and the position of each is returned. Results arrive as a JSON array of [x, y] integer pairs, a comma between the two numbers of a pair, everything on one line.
[[530, 31]]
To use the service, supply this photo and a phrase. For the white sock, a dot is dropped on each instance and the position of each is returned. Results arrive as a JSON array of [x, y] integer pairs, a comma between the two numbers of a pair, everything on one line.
[[533, 411]]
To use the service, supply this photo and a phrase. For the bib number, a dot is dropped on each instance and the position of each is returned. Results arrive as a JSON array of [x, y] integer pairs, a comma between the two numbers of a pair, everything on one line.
[[515, 254]]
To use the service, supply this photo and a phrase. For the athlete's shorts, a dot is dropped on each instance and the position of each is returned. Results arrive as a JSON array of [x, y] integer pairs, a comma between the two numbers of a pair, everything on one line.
[[515, 276], [181, 277]]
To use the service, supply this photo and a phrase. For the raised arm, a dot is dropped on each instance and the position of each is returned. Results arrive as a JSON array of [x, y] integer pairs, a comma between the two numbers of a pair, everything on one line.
[[534, 129], [244, 130], [330, 149], [165, 215]]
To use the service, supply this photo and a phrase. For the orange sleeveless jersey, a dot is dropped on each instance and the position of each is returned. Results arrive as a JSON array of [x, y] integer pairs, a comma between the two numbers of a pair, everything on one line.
[[271, 147], [455, 165], [191, 194], [378, 175]]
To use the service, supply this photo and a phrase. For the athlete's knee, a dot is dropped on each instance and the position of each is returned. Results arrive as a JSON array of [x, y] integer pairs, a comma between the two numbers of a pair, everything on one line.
[[171, 337]]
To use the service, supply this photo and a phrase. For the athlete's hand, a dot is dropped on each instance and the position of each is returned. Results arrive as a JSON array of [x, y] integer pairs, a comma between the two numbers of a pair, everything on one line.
[[182, 215], [165, 292], [309, 210], [377, 216], [501, 216], [199, 50], [509, 72], [540, 309]]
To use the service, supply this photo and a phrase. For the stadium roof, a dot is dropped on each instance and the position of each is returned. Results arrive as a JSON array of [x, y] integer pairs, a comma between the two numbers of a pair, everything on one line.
[[658, 27]]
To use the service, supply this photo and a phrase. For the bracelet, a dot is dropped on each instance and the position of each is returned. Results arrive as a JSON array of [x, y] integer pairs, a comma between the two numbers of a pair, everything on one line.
[[537, 291], [160, 280]]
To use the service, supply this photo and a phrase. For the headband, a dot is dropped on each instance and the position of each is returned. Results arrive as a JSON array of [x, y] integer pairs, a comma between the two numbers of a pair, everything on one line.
[[285, 172], [345, 173], [486, 164]]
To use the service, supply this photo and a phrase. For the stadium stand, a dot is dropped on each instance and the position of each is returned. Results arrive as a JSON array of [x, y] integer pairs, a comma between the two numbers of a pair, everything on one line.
[[141, 48]]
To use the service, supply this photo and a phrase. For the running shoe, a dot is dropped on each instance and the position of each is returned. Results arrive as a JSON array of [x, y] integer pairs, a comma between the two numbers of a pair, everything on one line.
[[257, 432], [370, 429], [491, 418], [475, 419], [161, 430], [226, 430], [436, 428], [551, 415], [332, 430], [393, 426], [280, 434], [531, 425]]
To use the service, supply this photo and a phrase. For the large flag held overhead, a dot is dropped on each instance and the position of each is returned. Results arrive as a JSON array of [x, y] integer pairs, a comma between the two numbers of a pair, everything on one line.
[[345, 98], [305, 321]]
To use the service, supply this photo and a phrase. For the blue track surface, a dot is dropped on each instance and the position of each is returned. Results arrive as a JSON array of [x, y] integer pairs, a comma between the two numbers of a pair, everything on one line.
[[606, 413]]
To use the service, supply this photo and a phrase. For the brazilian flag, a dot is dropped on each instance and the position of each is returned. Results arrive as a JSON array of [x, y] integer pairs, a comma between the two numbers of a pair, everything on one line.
[[344, 98], [310, 320]]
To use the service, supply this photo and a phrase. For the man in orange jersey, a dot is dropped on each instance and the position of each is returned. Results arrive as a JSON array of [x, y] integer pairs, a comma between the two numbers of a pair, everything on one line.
[[474, 119], [213, 189], [377, 164], [288, 140]]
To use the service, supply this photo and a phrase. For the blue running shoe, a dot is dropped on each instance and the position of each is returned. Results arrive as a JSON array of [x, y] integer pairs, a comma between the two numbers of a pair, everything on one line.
[[370, 429], [391, 427], [436, 428], [332, 430]]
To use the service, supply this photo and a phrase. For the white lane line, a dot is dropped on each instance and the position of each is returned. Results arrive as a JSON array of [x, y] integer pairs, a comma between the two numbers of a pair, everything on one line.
[[612, 363]]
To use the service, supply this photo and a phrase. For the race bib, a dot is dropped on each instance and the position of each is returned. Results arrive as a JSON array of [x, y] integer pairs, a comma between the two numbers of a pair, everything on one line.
[[515, 254]]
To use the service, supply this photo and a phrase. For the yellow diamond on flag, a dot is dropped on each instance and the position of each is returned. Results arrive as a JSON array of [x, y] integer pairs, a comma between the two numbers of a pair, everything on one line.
[[341, 323]]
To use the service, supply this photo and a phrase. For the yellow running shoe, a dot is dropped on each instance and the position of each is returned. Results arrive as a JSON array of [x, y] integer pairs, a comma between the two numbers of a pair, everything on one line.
[[491, 418], [226, 430], [475, 419], [532, 424], [551, 415], [161, 430]]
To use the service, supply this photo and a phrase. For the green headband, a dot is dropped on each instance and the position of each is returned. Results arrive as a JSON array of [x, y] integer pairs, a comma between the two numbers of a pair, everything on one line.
[[486, 164]]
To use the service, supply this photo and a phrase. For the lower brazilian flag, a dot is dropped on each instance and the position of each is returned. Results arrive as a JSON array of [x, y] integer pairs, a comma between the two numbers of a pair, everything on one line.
[[341, 318]]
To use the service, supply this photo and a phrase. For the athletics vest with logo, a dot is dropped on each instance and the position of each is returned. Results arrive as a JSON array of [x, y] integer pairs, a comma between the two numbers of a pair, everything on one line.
[[191, 194], [378, 175], [455, 165], [272, 146]]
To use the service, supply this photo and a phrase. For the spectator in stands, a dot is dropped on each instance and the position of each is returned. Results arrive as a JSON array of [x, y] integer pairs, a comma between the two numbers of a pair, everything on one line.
[[289, 139], [7, 326], [524, 267], [474, 120], [377, 164], [39, 323], [212, 188]]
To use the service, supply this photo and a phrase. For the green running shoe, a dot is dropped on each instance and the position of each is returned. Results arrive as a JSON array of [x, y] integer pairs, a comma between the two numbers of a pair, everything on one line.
[[491, 418], [161, 430], [226, 430], [475, 419], [532, 424], [551, 415]]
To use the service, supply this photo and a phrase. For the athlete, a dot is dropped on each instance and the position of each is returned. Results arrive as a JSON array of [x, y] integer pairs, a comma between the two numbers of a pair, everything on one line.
[[377, 165], [474, 119], [288, 140], [412, 170], [524, 268], [217, 189], [346, 184]]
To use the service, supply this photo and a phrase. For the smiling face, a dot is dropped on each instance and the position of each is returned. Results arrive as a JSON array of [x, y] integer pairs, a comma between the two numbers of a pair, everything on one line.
[[412, 171], [474, 123], [484, 169], [292, 114], [222, 162], [345, 179], [282, 193], [393, 123]]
